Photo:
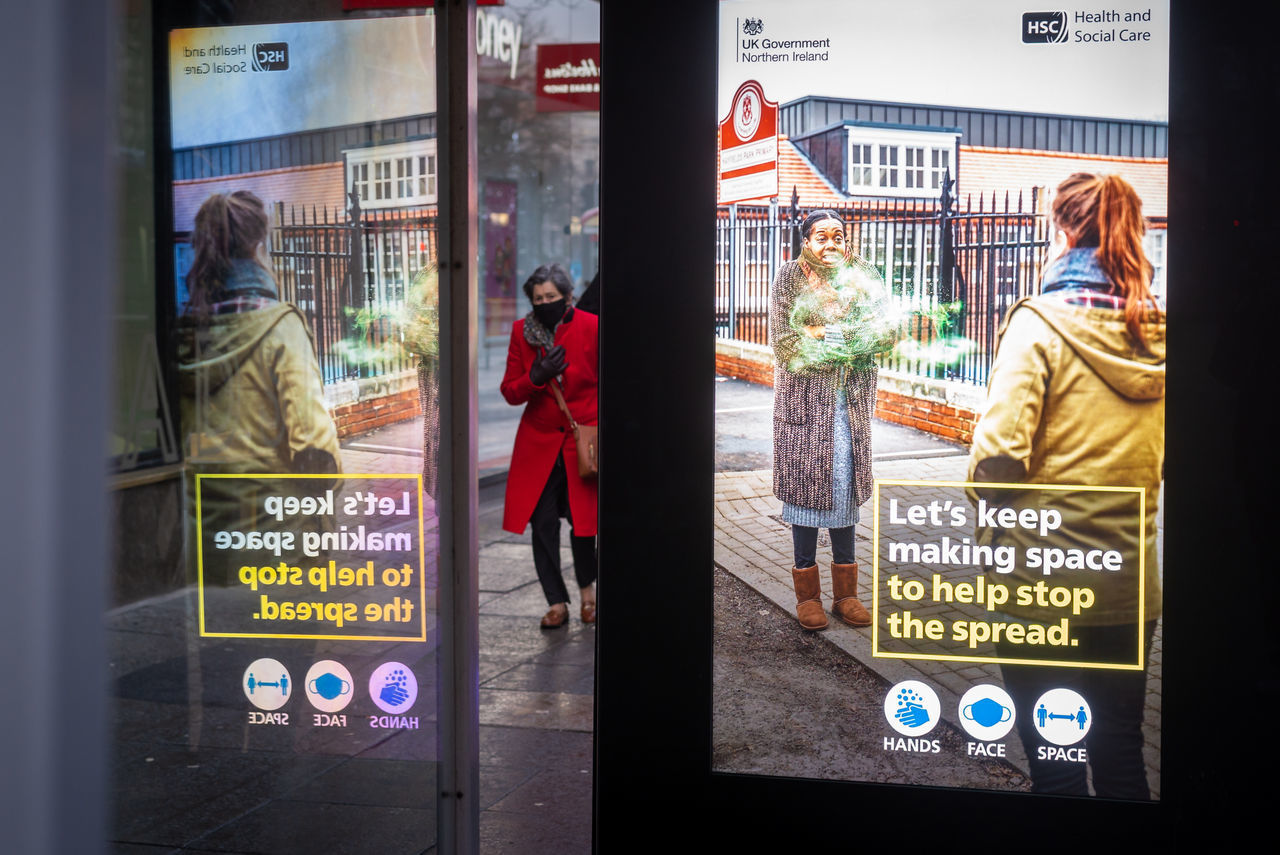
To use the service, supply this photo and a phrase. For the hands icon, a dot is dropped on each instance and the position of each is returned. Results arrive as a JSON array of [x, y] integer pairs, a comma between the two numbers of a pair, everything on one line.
[[393, 687], [912, 708], [912, 715], [393, 694]]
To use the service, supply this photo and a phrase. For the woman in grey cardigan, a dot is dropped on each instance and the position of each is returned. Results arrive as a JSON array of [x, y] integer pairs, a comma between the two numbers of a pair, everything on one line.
[[827, 320]]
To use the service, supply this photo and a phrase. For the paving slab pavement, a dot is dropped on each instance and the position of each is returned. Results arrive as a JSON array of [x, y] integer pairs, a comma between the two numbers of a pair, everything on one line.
[[754, 545], [189, 775], [536, 687]]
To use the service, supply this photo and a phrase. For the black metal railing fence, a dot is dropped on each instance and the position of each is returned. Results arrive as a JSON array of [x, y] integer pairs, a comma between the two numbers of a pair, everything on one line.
[[349, 272], [978, 259]]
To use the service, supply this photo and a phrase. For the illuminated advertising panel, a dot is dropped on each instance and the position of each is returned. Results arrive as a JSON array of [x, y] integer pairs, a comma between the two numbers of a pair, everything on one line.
[[940, 286]]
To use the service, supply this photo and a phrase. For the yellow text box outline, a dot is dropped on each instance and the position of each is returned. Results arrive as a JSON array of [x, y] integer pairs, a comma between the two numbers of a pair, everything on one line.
[[877, 653], [422, 560]]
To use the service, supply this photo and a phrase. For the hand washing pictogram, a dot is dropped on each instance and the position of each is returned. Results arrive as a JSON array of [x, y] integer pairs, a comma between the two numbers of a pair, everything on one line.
[[912, 708], [393, 687]]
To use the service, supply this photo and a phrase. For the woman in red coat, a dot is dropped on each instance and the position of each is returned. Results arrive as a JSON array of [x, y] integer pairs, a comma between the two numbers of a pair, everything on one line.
[[554, 343]]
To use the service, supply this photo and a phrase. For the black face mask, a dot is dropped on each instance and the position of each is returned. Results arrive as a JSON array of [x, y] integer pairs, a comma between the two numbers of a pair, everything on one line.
[[549, 314]]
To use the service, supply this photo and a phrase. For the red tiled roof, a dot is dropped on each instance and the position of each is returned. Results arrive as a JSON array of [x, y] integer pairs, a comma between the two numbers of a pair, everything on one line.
[[985, 170], [795, 170], [320, 185]]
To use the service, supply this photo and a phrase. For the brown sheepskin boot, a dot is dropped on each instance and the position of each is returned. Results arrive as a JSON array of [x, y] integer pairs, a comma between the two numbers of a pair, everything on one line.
[[844, 592], [809, 598]]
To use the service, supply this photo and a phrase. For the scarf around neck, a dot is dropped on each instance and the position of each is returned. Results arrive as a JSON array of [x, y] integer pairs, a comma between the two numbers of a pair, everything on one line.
[[1077, 267], [815, 269]]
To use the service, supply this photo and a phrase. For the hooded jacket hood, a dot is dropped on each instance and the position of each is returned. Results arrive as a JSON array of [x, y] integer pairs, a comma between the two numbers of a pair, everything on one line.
[[1099, 338], [1098, 335], [211, 352], [212, 347]]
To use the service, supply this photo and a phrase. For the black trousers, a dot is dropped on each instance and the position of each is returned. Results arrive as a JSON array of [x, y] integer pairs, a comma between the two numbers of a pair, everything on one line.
[[552, 505], [1116, 699], [804, 543]]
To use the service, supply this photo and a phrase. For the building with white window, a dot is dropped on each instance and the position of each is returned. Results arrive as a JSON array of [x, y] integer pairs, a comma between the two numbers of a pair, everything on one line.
[[844, 151]]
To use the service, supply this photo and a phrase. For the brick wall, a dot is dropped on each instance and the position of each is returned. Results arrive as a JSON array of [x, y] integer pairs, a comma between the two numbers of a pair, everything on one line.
[[1015, 170], [319, 186], [941, 407], [361, 416], [372, 402], [935, 417], [742, 361]]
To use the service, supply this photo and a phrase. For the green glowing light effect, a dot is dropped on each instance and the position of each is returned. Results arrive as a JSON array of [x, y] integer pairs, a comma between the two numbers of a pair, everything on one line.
[[941, 348], [856, 320], [412, 328]]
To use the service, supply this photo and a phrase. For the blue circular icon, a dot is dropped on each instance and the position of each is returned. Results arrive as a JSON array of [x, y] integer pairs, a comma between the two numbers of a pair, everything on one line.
[[912, 708], [986, 712], [393, 687], [329, 686], [266, 684]]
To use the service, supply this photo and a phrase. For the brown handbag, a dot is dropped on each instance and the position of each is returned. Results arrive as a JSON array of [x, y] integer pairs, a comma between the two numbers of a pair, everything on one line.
[[586, 437]]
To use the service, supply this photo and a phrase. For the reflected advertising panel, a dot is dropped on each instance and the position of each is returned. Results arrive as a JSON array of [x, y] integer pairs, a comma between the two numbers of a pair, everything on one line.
[[304, 212]]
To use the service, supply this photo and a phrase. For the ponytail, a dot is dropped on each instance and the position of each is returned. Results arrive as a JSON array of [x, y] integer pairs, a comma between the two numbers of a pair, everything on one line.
[[1104, 211], [1120, 230], [228, 226]]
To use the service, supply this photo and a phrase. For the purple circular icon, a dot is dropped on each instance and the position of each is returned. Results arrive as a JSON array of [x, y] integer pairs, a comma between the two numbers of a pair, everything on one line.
[[393, 687]]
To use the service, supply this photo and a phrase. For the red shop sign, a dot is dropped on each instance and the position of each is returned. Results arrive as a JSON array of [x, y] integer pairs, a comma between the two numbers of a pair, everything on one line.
[[568, 77]]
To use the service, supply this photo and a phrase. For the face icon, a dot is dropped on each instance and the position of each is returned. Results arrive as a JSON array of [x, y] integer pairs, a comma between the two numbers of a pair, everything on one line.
[[826, 241]]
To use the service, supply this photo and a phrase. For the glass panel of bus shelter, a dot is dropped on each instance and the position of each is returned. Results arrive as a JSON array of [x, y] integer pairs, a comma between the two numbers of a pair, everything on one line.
[[273, 631], [538, 155], [875, 232]]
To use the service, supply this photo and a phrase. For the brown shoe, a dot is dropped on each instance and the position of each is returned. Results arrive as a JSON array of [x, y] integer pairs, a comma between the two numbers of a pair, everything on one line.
[[809, 598], [588, 612], [556, 617], [844, 592]]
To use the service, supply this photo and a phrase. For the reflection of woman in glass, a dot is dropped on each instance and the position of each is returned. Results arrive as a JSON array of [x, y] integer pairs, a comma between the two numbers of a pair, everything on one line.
[[826, 323], [554, 347], [1076, 396], [252, 395]]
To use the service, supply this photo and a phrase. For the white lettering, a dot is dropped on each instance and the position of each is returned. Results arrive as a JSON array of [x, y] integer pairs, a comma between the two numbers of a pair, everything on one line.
[[499, 38]]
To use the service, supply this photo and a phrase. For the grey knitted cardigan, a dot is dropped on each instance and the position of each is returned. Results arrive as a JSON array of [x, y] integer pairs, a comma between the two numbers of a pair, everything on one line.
[[804, 409]]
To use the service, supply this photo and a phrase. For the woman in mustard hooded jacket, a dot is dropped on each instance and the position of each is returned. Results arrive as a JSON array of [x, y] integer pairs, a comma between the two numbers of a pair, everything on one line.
[[252, 393], [1076, 397]]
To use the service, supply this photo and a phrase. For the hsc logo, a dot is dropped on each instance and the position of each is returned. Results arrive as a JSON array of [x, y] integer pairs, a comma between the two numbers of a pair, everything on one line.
[[1044, 27], [271, 56]]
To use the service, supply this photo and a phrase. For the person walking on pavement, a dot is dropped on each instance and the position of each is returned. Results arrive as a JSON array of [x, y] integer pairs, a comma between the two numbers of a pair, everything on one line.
[[1076, 396], [826, 323], [558, 344]]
